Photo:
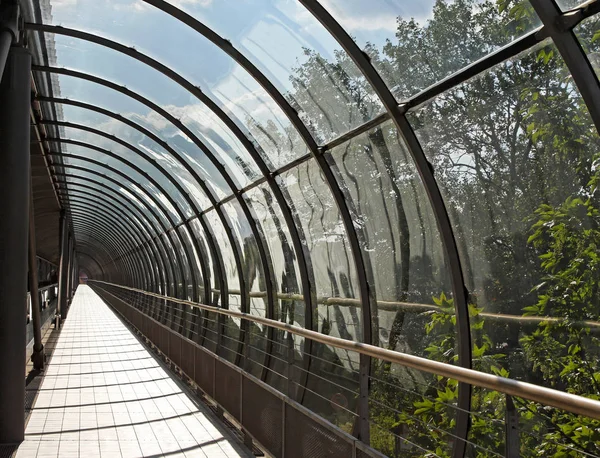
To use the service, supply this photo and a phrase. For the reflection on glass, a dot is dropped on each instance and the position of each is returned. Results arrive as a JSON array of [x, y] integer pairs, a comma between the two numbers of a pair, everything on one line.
[[516, 154], [414, 44], [588, 33]]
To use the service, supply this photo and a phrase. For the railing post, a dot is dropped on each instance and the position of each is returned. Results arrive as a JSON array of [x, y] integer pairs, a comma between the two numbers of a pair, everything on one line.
[[37, 357], [512, 429], [14, 213], [61, 308]]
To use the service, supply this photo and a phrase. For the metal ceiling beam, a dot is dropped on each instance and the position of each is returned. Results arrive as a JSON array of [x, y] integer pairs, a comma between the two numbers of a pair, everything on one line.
[[119, 197], [118, 209], [106, 213], [168, 234]]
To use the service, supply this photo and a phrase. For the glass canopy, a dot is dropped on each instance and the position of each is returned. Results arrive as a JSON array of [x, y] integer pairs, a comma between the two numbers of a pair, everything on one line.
[[419, 176]]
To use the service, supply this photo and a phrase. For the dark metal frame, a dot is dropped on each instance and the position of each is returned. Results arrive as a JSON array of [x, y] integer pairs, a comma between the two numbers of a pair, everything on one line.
[[557, 25]]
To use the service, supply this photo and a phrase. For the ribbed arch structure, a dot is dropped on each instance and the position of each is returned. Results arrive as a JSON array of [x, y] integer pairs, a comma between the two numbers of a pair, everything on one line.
[[308, 162]]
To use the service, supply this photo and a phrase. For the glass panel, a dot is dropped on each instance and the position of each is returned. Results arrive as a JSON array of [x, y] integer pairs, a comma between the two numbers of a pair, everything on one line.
[[399, 239], [178, 173], [279, 37], [414, 44], [335, 277], [254, 277], [196, 271], [588, 33], [174, 256], [97, 60], [516, 156], [566, 5], [232, 326], [134, 175], [289, 306], [200, 236], [149, 148]]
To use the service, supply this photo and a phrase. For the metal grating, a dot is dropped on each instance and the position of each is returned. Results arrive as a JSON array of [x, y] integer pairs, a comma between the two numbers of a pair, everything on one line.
[[228, 388], [175, 348], [6, 451], [262, 416], [187, 358], [204, 372], [306, 438]]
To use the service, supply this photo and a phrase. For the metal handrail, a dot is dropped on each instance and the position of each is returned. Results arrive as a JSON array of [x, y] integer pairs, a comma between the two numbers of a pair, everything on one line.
[[394, 306], [569, 402]]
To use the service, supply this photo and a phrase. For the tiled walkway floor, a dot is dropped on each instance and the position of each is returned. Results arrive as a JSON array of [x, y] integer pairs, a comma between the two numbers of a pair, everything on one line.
[[105, 395]]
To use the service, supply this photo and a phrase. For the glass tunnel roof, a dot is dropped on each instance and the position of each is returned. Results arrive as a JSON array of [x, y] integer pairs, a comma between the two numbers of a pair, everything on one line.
[[409, 174]]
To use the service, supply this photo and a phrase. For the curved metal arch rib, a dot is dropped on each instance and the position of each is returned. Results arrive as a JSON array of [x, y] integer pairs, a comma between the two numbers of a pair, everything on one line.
[[124, 227], [97, 225], [144, 217], [153, 182], [122, 204], [118, 208], [100, 242], [251, 219], [425, 170], [140, 153], [148, 194]]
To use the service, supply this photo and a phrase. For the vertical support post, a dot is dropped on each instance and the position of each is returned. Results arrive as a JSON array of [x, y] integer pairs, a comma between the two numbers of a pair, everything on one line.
[[69, 271], [512, 429], [37, 357], [61, 309], [9, 19], [14, 214]]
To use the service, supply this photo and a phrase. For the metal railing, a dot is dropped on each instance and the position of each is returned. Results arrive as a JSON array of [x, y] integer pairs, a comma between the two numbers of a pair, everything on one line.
[[164, 314], [565, 401]]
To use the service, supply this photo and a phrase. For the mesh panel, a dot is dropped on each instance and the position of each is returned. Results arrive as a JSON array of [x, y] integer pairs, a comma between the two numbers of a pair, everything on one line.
[[262, 416], [227, 388], [366, 452], [164, 340], [175, 348], [305, 437], [204, 371], [187, 358]]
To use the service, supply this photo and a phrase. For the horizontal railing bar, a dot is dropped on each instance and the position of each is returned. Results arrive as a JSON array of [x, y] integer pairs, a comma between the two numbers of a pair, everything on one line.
[[546, 396], [393, 306]]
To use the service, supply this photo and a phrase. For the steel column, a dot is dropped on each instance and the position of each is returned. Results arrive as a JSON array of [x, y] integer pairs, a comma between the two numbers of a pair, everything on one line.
[[569, 48], [62, 269], [14, 215], [37, 357]]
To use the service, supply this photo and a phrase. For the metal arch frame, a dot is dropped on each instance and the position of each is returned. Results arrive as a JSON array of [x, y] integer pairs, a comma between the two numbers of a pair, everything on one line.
[[139, 153], [145, 175], [86, 254], [112, 203], [341, 202], [425, 170], [294, 228], [78, 202], [261, 243], [100, 226], [572, 54], [123, 270], [166, 146], [117, 204], [128, 228], [88, 226], [149, 195], [93, 245], [168, 266], [78, 209], [138, 170]]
